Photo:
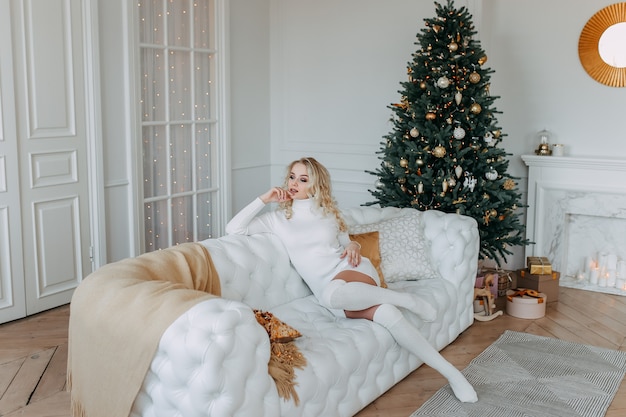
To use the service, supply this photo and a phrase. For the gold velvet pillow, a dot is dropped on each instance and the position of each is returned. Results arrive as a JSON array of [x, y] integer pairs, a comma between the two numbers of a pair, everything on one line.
[[371, 250]]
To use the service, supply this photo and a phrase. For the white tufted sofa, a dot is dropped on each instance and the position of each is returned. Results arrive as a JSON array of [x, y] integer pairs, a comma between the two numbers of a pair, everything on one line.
[[212, 361]]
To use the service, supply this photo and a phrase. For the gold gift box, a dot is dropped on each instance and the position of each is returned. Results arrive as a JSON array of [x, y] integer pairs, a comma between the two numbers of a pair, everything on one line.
[[539, 265]]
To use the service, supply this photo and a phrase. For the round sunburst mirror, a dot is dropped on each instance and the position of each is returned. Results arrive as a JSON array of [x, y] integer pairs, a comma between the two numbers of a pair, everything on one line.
[[602, 46]]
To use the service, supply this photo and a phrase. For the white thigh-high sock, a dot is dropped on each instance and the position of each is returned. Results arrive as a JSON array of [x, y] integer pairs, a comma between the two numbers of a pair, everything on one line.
[[356, 296], [407, 336]]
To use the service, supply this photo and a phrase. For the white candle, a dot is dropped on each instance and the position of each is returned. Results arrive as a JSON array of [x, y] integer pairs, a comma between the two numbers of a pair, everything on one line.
[[621, 269], [593, 276], [602, 281], [620, 283], [589, 263], [611, 278], [611, 261]]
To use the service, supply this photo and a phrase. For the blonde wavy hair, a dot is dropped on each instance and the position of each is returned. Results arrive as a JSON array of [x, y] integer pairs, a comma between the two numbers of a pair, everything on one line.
[[319, 190]]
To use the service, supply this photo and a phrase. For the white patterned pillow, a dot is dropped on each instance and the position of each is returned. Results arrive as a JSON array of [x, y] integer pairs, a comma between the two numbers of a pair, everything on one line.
[[405, 255]]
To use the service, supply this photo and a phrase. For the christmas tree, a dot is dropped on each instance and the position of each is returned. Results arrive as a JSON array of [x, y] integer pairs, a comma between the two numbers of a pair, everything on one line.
[[443, 150]]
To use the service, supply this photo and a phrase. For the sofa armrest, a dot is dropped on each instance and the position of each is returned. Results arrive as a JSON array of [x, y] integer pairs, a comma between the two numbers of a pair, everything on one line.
[[212, 361], [454, 245]]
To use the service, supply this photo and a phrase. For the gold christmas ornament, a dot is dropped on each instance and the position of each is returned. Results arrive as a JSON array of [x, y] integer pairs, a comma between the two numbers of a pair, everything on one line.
[[482, 59], [423, 85], [419, 162], [414, 132], [431, 116], [474, 77], [493, 213], [453, 46], [444, 185], [404, 163], [439, 151], [436, 28], [509, 184], [475, 108]]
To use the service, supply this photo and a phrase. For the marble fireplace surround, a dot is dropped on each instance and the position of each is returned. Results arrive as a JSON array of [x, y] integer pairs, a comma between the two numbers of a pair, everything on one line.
[[576, 212]]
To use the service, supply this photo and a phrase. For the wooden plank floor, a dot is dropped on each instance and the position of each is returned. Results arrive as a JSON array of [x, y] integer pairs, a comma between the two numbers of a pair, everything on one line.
[[33, 361], [33, 354]]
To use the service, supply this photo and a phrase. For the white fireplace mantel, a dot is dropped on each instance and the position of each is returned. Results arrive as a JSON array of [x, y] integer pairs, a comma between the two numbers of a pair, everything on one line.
[[596, 163], [576, 209]]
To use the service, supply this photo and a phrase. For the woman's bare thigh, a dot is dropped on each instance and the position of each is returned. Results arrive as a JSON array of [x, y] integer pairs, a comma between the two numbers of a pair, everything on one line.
[[355, 276]]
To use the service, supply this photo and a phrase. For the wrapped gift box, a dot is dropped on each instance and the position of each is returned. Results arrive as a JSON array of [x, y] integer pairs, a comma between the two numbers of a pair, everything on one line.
[[526, 306], [545, 283], [539, 265], [493, 287], [505, 282]]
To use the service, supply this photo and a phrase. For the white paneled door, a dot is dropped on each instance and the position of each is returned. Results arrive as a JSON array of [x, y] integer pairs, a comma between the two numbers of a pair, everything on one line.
[[45, 233]]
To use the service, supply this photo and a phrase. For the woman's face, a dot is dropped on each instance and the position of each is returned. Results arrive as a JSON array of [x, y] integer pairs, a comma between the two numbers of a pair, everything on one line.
[[298, 183]]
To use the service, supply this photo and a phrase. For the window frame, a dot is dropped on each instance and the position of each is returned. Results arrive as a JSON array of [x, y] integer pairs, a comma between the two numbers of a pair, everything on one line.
[[220, 158]]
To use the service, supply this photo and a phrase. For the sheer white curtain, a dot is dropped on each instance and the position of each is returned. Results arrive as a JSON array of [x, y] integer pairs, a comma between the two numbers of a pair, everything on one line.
[[180, 124]]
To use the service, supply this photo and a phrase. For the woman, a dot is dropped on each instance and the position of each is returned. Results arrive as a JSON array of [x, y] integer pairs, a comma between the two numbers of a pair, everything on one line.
[[315, 235]]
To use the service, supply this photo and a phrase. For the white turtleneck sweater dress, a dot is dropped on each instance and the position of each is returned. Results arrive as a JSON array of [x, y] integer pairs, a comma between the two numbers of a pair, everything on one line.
[[313, 240]]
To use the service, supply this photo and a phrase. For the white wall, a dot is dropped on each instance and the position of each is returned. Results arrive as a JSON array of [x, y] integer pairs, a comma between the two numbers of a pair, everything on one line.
[[542, 83], [316, 77], [250, 98], [116, 132], [336, 66]]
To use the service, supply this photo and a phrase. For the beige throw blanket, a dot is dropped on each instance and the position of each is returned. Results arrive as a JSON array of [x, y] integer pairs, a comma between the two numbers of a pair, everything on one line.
[[117, 316]]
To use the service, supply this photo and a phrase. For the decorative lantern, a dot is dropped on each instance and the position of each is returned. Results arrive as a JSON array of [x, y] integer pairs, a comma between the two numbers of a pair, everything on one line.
[[544, 143]]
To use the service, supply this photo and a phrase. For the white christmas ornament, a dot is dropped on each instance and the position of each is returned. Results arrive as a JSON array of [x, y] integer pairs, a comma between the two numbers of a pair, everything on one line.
[[491, 175], [414, 133], [488, 138], [443, 82], [458, 171], [469, 181], [458, 97], [459, 133]]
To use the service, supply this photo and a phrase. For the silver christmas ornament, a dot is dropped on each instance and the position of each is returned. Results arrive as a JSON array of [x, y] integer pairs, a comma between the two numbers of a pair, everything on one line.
[[459, 133]]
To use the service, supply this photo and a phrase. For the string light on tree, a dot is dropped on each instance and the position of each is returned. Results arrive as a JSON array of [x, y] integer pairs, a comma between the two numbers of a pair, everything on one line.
[[443, 152]]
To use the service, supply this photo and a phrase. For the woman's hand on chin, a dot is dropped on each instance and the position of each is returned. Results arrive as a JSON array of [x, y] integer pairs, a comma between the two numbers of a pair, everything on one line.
[[275, 195]]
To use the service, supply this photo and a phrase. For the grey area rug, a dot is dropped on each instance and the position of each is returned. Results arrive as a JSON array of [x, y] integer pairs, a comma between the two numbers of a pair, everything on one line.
[[526, 375]]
